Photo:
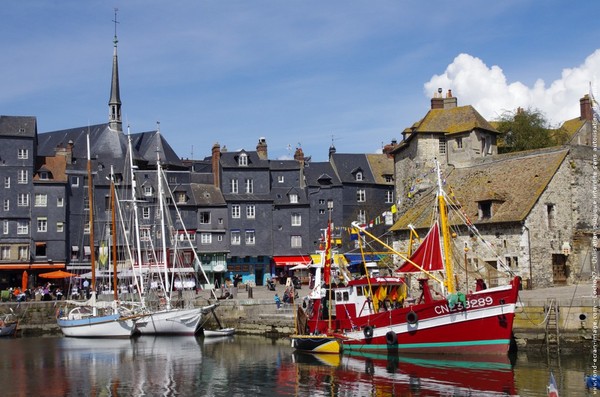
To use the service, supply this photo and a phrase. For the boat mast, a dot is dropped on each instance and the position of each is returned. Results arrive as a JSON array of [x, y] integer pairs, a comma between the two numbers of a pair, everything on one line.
[[327, 267], [136, 221], [114, 233], [443, 212], [91, 219], [162, 230]]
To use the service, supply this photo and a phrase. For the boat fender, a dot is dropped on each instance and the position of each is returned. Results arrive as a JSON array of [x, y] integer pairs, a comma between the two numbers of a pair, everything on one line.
[[305, 303], [391, 338], [411, 317], [368, 331]]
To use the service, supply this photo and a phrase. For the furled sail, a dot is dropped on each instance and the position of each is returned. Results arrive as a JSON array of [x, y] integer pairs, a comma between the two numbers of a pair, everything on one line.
[[428, 255]]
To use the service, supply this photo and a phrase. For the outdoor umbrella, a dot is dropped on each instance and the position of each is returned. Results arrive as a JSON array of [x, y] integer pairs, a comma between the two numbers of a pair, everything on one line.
[[24, 280], [57, 274]]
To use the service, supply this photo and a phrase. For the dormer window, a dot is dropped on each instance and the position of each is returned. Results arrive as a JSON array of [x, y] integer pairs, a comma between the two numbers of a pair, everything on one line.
[[181, 197], [243, 160], [485, 209], [44, 175], [358, 176], [147, 191], [388, 178], [23, 154], [293, 198]]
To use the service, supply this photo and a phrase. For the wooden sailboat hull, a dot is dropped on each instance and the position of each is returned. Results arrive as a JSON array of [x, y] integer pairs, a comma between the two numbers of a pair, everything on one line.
[[171, 322], [108, 326]]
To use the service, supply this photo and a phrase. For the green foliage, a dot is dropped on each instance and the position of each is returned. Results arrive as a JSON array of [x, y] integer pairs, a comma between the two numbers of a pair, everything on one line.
[[526, 130]]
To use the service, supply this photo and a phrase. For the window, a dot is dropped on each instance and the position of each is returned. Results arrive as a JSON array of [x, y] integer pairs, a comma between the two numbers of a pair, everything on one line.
[[6, 205], [280, 179], [7, 182], [44, 175], [22, 177], [389, 196], [60, 227], [145, 234], [147, 191], [389, 178], [5, 253], [205, 238], [361, 195], [23, 200], [235, 237], [250, 237], [250, 211], [233, 186], [5, 227], [235, 211], [243, 159], [296, 242], [23, 253], [41, 200], [22, 227], [293, 198], [219, 238], [296, 219], [550, 212], [181, 197], [359, 176], [459, 143], [485, 209], [321, 211], [204, 217], [321, 201], [75, 181], [23, 154], [145, 212], [362, 217], [60, 202], [42, 225], [249, 185], [86, 227], [442, 145], [220, 221]]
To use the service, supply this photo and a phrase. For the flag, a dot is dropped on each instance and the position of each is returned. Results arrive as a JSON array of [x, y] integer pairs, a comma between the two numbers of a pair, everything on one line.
[[552, 388], [394, 209], [327, 267]]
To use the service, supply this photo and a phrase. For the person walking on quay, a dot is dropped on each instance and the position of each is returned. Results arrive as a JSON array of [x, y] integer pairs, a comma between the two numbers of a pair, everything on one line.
[[277, 301]]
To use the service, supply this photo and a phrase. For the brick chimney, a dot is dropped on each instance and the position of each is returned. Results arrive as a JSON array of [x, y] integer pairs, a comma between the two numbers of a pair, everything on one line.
[[585, 106], [437, 102], [387, 149], [216, 156], [299, 155], [261, 149], [450, 101]]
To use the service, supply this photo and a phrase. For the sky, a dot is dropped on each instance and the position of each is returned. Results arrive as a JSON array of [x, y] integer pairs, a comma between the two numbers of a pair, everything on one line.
[[300, 73]]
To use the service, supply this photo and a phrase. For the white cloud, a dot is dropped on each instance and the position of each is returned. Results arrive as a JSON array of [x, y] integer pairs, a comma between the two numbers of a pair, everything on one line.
[[488, 91]]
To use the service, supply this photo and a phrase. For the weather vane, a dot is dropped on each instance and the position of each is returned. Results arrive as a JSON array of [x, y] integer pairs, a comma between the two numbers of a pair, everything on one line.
[[116, 22]]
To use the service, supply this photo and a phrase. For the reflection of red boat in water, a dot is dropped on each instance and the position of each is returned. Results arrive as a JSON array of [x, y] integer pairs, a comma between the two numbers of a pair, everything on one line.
[[374, 313], [397, 375]]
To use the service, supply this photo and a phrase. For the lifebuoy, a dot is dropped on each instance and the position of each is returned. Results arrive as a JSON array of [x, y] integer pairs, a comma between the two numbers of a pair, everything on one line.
[[368, 331], [391, 338], [412, 317]]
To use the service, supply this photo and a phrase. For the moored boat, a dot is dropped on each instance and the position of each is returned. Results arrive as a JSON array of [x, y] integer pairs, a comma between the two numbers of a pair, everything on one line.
[[8, 325], [376, 313]]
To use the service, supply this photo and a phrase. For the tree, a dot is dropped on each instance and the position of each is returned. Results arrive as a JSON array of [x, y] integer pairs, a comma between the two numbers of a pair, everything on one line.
[[526, 130]]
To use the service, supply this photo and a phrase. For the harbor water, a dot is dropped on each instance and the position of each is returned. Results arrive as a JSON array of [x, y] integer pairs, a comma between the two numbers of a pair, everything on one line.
[[259, 366]]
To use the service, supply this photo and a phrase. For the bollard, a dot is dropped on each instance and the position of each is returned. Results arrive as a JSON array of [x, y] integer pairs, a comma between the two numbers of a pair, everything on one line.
[[250, 293]]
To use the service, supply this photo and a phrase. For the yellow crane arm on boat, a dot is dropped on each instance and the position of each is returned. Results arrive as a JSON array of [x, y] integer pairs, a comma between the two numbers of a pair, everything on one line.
[[356, 226]]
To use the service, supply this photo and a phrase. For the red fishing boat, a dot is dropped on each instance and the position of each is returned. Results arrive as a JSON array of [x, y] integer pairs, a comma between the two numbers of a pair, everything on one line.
[[377, 313]]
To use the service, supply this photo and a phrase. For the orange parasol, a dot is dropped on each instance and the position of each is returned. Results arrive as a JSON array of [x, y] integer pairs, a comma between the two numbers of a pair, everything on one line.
[[57, 274], [24, 280]]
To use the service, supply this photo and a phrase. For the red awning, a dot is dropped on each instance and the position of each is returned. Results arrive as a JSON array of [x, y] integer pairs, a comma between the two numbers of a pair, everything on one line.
[[23, 266], [292, 260]]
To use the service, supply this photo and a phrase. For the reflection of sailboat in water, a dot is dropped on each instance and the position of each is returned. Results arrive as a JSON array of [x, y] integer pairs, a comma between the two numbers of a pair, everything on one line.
[[95, 318], [359, 373]]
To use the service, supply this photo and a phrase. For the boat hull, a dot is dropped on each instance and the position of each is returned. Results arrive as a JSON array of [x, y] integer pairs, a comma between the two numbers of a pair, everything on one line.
[[109, 326], [316, 344], [215, 333], [8, 329], [171, 322]]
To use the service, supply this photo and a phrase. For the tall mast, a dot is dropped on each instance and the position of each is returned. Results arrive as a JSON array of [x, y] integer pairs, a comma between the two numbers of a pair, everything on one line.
[[443, 209], [136, 220], [162, 228], [113, 232], [91, 216]]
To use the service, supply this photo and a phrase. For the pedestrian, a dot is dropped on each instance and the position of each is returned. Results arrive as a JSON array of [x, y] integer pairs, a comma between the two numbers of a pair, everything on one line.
[[277, 301]]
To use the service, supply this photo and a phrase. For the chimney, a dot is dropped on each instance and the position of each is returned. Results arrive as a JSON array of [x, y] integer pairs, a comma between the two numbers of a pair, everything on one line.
[[389, 148], [299, 155], [585, 106], [216, 156], [450, 101], [437, 102], [261, 149], [331, 151]]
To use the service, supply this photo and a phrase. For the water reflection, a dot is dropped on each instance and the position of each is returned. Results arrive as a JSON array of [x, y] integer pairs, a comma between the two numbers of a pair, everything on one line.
[[248, 366]]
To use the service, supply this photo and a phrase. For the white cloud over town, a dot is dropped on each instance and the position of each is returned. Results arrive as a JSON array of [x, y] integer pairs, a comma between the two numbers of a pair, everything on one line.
[[488, 89]]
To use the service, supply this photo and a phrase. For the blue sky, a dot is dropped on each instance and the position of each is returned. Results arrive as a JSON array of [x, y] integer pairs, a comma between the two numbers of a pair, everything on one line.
[[299, 73]]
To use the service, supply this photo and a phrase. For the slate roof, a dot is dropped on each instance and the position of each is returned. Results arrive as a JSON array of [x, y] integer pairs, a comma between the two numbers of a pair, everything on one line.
[[515, 181], [230, 160], [207, 195], [347, 164], [280, 196], [285, 165], [18, 126], [315, 174]]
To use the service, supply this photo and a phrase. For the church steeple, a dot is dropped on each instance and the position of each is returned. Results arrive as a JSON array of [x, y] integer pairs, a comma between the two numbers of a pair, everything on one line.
[[114, 104]]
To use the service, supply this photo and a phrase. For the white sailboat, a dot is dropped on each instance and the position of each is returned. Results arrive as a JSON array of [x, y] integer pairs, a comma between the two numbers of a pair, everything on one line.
[[168, 319], [93, 318]]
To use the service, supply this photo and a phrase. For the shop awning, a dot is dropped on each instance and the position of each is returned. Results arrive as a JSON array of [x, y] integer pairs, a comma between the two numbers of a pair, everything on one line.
[[281, 261], [354, 259], [27, 266]]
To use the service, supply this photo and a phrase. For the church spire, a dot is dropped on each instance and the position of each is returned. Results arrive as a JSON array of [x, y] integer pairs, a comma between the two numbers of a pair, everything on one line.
[[114, 104]]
